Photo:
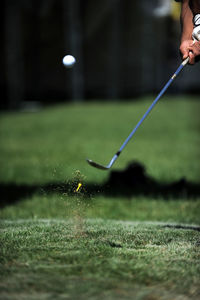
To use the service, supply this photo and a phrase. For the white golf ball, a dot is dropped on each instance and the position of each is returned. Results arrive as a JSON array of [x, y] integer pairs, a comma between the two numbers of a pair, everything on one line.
[[69, 61]]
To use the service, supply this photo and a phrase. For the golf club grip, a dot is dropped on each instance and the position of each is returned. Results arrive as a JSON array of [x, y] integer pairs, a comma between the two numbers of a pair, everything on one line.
[[187, 59]]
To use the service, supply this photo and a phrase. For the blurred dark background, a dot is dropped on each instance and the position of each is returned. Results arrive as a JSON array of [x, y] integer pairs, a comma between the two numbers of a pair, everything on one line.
[[124, 49]]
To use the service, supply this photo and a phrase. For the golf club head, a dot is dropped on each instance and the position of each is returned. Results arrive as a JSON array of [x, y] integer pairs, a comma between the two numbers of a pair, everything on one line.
[[95, 165]]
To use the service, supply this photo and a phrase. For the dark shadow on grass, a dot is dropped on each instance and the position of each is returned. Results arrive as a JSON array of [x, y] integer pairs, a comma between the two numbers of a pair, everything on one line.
[[132, 181], [186, 227]]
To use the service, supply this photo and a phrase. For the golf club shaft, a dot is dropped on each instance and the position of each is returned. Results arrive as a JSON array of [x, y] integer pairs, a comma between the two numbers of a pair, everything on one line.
[[154, 103], [114, 158], [148, 111]]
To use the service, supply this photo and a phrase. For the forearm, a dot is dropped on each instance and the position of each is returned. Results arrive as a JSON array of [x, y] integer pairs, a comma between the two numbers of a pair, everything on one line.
[[188, 47], [186, 21]]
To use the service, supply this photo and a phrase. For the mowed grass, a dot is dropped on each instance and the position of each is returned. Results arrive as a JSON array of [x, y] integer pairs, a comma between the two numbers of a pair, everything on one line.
[[51, 144], [57, 243], [77, 259]]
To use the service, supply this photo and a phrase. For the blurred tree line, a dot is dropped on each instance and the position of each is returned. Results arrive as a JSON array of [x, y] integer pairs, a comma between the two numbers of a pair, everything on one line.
[[123, 49]]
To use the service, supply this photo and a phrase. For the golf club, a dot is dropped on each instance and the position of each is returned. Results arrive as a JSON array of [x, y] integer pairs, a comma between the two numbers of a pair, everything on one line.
[[99, 166]]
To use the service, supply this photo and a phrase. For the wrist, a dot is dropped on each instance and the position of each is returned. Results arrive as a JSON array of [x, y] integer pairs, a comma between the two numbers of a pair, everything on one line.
[[185, 38], [187, 34]]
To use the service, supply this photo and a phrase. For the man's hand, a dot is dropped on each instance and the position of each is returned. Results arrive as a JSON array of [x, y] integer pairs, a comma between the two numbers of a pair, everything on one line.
[[191, 49]]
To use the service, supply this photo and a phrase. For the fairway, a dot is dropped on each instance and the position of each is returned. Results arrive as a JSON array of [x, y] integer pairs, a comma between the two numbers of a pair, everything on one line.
[[70, 231]]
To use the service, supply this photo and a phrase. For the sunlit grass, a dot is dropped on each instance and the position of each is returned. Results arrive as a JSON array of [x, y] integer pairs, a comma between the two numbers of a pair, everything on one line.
[[53, 143]]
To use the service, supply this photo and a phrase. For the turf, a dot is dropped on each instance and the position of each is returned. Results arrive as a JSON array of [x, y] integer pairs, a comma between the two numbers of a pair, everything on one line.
[[111, 241], [52, 144], [98, 258]]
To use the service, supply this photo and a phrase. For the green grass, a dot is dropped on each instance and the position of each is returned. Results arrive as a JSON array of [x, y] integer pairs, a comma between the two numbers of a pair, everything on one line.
[[98, 258], [52, 144], [112, 243], [134, 209]]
